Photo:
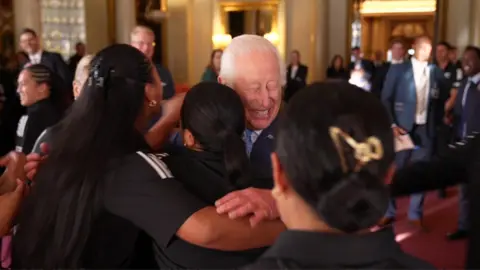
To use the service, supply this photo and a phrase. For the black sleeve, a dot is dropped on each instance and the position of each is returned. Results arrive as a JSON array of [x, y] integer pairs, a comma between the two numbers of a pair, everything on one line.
[[143, 191], [37, 123], [448, 170], [43, 138]]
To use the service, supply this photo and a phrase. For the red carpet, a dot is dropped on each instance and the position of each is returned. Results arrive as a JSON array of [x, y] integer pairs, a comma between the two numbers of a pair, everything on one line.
[[440, 218]]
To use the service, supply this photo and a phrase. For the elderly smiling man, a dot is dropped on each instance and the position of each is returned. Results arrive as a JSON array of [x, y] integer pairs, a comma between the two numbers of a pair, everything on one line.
[[252, 66]]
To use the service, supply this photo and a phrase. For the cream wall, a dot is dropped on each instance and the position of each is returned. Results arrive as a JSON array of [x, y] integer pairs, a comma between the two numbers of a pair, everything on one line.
[[458, 22], [306, 28], [125, 20], [338, 28], [96, 18], [26, 15]]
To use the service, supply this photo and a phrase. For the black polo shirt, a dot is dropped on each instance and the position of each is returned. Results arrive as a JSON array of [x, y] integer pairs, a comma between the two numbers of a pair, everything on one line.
[[452, 75], [204, 175], [315, 250], [40, 116]]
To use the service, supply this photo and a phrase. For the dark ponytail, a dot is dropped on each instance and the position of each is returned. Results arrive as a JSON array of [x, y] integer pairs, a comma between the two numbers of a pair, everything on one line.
[[358, 201], [214, 114], [236, 160]]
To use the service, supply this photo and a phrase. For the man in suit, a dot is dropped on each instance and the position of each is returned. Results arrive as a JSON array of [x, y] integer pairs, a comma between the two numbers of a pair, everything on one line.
[[398, 56], [359, 63], [252, 66], [410, 93], [30, 43], [467, 121], [296, 75]]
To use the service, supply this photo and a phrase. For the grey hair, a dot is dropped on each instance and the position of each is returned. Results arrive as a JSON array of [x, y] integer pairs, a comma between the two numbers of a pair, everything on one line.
[[81, 73], [243, 45], [139, 29]]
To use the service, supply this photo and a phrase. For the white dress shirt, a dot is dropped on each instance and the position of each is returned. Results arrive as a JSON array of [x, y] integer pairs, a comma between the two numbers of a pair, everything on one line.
[[293, 72], [36, 58], [421, 69]]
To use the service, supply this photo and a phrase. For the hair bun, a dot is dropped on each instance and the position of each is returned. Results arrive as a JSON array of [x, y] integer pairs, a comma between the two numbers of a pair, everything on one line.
[[357, 202]]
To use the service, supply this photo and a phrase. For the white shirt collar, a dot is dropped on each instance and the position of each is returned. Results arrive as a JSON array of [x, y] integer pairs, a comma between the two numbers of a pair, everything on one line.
[[475, 78], [397, 61], [36, 56], [419, 63]]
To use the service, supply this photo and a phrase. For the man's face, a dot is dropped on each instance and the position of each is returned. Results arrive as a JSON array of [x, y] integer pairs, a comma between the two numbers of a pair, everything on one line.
[[356, 54], [470, 63], [80, 49], [29, 43], [423, 49], [398, 52], [441, 53], [144, 42], [258, 82]]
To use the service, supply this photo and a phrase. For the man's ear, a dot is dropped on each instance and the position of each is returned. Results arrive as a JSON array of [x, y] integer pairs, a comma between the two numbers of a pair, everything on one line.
[[220, 80]]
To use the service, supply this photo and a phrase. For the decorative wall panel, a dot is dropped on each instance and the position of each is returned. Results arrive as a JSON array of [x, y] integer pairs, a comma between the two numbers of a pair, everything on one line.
[[63, 25]]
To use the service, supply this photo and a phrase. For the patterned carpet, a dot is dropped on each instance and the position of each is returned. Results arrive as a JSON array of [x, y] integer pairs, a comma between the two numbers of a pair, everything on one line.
[[440, 218]]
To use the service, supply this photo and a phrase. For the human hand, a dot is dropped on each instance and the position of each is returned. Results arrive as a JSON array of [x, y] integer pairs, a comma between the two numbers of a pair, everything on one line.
[[14, 162], [34, 160], [251, 201], [397, 131]]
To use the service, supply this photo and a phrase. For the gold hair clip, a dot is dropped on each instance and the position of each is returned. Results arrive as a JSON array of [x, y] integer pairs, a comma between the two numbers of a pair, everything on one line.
[[364, 152]]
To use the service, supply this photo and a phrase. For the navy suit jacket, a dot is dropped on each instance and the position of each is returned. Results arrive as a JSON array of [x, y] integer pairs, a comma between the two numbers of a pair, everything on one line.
[[260, 162], [399, 96], [472, 108], [167, 80]]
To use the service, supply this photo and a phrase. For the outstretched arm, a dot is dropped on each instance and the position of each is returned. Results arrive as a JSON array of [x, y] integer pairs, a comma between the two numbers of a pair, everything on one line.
[[448, 170]]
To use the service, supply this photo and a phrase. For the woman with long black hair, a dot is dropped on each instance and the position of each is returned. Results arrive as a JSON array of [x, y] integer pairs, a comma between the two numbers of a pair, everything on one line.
[[100, 186]]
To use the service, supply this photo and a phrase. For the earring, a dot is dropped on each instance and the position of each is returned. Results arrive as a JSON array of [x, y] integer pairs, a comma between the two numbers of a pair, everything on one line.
[[152, 103]]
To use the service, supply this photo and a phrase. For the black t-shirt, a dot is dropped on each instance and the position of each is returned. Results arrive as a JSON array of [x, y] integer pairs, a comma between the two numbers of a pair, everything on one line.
[[143, 191], [315, 250], [204, 175], [40, 116]]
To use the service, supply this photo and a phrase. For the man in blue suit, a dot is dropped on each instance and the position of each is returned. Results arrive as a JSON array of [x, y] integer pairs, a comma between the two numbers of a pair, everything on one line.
[[410, 93], [467, 121]]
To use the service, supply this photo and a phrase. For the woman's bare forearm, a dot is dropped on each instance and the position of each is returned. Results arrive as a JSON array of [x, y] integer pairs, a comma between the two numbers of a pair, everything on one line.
[[208, 229], [160, 133]]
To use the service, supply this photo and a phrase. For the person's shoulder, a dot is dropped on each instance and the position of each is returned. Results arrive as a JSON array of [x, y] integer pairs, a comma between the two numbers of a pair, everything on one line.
[[272, 263], [154, 161]]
